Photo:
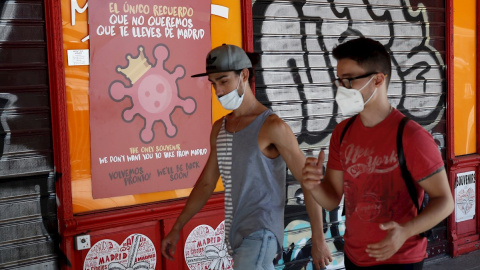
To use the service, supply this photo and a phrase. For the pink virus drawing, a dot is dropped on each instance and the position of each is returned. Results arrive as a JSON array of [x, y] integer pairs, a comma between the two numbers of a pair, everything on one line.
[[153, 90]]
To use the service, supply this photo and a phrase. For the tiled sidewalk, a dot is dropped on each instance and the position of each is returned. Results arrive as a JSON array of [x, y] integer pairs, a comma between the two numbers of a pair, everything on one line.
[[470, 261]]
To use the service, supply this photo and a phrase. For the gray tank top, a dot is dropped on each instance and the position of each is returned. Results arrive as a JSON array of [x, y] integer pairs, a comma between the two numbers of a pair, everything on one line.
[[254, 184]]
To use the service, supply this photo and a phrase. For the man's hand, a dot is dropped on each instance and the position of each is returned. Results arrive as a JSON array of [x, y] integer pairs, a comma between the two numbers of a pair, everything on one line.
[[312, 172], [396, 236], [321, 254], [169, 244]]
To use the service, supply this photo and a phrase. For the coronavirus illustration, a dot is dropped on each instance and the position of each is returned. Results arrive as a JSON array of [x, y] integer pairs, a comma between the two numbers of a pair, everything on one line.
[[153, 91]]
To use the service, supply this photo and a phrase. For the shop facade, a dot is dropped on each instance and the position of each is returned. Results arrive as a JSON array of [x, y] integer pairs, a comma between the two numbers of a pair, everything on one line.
[[94, 176]]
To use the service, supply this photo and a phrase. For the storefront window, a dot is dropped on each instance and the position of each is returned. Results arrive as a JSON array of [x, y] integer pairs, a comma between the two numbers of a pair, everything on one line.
[[77, 49], [465, 75]]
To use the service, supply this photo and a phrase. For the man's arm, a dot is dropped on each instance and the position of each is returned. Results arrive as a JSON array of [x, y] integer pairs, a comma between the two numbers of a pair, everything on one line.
[[321, 254], [287, 145], [438, 208], [199, 196], [326, 189], [440, 204]]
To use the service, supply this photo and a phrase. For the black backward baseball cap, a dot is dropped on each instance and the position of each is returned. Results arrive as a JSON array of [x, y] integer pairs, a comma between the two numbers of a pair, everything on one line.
[[225, 58]]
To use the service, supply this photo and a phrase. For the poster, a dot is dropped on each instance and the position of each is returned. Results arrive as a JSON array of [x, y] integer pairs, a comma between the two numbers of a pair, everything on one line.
[[149, 120], [465, 196]]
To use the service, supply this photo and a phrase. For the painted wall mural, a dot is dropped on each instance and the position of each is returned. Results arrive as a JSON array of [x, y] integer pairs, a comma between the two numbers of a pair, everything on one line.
[[295, 40], [297, 243], [305, 32], [25, 139]]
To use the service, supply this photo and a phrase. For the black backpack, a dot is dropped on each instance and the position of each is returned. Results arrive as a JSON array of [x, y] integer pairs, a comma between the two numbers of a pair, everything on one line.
[[407, 177]]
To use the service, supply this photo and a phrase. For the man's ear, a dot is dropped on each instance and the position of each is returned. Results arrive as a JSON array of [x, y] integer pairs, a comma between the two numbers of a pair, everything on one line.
[[245, 74], [380, 79]]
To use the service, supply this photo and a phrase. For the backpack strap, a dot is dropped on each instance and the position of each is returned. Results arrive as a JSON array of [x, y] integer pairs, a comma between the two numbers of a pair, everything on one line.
[[406, 175], [349, 123]]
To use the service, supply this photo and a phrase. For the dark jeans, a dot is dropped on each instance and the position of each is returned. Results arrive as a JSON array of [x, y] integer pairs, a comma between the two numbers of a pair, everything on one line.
[[412, 266]]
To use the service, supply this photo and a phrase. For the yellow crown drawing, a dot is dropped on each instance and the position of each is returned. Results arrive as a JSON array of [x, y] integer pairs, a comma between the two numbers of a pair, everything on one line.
[[136, 66]]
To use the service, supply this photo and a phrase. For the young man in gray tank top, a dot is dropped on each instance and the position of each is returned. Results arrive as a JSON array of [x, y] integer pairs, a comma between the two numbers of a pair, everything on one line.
[[250, 149]]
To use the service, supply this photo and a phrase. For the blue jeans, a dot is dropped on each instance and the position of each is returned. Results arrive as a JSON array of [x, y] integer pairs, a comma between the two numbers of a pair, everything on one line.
[[257, 251]]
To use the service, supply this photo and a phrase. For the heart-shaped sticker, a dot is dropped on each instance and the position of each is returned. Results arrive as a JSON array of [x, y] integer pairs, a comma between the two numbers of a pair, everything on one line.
[[466, 200], [136, 252], [205, 248]]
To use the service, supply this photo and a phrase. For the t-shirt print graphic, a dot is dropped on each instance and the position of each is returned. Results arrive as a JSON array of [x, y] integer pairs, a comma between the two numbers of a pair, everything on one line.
[[355, 155], [368, 184]]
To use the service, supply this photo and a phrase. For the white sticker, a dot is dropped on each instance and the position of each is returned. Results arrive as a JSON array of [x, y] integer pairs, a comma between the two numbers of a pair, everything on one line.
[[465, 196], [205, 248], [219, 11], [78, 57], [136, 252]]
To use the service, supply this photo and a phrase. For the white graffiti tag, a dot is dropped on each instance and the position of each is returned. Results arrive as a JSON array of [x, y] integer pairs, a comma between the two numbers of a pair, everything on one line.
[[307, 31]]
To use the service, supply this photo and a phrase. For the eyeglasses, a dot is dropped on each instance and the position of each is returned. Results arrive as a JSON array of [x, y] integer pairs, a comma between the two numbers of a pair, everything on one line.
[[347, 82]]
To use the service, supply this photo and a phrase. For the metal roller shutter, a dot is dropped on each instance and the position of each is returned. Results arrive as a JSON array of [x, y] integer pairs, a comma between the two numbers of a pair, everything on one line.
[[295, 40], [28, 221]]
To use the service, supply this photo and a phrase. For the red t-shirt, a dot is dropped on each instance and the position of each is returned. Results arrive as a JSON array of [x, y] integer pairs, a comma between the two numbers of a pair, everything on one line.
[[374, 189]]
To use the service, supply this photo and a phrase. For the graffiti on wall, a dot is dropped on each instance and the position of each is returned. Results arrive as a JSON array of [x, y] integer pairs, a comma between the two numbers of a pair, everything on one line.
[[4, 134], [6, 101], [297, 241], [25, 140], [416, 88], [295, 40], [24, 104]]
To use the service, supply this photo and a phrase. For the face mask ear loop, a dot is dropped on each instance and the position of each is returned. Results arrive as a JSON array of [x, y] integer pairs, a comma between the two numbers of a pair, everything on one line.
[[238, 84], [370, 97], [244, 87], [359, 90]]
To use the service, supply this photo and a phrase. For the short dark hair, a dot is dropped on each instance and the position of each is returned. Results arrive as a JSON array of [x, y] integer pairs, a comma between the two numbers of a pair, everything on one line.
[[251, 73], [370, 54], [254, 58]]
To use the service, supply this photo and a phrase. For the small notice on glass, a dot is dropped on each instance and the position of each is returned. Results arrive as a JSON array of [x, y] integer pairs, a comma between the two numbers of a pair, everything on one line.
[[465, 196], [78, 57]]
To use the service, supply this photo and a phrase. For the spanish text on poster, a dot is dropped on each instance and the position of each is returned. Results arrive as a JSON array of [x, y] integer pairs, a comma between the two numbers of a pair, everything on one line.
[[149, 120]]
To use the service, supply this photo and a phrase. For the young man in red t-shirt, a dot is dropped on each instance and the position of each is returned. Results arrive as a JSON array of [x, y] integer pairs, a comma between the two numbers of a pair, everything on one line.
[[382, 224]]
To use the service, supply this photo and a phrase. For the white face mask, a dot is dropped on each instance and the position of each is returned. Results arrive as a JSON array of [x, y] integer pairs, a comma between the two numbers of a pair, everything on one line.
[[350, 101], [232, 100]]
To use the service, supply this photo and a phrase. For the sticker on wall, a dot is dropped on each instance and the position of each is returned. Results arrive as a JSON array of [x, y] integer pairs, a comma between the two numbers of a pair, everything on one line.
[[205, 248], [465, 196], [135, 252]]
